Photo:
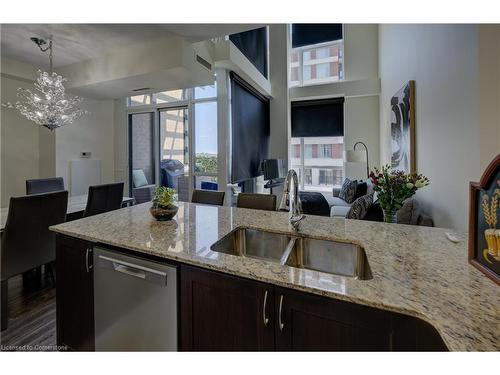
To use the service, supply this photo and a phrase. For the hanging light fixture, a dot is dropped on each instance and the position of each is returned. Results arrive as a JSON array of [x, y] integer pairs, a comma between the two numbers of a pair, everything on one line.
[[48, 104]]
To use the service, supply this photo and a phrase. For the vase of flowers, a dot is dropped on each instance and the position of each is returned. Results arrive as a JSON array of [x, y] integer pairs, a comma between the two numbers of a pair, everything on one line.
[[393, 187], [163, 207]]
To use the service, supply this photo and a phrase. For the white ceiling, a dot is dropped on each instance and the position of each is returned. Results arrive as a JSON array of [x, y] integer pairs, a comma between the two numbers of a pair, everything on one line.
[[78, 42]]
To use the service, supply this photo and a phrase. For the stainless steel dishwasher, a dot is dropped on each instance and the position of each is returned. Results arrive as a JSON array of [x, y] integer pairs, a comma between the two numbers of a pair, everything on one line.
[[135, 303]]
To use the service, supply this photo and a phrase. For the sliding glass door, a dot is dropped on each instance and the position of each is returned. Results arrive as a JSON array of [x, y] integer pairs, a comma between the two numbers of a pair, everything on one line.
[[174, 150], [173, 139], [174, 136], [141, 149]]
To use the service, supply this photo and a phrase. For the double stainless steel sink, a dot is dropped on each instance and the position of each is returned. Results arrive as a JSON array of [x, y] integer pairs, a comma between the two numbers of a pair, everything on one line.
[[333, 257]]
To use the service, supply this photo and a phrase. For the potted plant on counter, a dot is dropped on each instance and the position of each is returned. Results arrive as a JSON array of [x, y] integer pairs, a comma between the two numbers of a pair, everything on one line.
[[163, 207], [393, 187]]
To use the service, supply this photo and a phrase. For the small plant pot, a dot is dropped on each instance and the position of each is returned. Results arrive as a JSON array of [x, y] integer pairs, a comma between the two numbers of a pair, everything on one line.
[[162, 213]]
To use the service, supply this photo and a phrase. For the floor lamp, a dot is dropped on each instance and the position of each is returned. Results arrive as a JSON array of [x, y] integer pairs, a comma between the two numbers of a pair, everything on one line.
[[358, 156]]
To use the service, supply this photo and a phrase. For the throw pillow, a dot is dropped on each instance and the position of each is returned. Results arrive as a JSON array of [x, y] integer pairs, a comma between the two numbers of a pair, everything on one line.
[[361, 189], [369, 186], [374, 212], [360, 207], [348, 190], [409, 213], [139, 178]]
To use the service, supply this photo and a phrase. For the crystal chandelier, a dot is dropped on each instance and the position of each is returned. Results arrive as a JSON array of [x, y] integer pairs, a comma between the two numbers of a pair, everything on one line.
[[48, 104]]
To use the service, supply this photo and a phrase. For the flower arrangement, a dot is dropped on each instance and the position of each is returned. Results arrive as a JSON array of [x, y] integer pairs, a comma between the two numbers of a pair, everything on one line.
[[393, 187], [163, 207]]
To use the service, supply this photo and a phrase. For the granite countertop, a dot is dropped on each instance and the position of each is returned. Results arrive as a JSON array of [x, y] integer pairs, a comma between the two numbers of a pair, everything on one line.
[[416, 270]]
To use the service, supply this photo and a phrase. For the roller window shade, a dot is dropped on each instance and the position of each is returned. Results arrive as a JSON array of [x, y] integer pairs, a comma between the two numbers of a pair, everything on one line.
[[318, 118], [306, 34], [253, 44], [250, 130]]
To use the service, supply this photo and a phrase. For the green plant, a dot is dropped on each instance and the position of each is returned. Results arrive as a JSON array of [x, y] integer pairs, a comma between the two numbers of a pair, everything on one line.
[[394, 187], [164, 196], [206, 163]]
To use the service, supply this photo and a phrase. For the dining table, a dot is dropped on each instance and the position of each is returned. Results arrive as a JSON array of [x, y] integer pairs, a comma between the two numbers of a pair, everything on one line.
[[76, 206]]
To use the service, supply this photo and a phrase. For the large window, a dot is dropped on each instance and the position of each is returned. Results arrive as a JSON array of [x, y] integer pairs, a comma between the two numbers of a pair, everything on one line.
[[173, 135], [205, 144], [317, 143], [321, 168], [169, 96], [187, 123], [317, 54], [139, 100]]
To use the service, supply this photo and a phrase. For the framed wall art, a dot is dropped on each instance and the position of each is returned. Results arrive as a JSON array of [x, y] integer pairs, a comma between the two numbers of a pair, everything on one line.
[[484, 222], [403, 129]]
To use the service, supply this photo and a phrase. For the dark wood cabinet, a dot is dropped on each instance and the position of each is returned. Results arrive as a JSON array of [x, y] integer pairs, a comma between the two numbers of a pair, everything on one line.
[[75, 294], [412, 334], [308, 322], [222, 312]]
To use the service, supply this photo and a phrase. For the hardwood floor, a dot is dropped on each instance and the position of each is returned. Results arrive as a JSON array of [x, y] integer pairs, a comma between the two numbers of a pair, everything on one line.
[[32, 316]]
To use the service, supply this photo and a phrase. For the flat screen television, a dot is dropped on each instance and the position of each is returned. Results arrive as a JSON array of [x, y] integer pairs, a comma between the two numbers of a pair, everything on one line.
[[250, 130], [273, 169]]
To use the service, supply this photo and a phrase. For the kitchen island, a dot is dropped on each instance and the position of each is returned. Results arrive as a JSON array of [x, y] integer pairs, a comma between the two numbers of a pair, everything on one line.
[[415, 271]]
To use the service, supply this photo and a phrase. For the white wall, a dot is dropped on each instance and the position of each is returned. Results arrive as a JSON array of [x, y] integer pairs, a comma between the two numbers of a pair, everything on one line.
[[19, 145], [360, 51], [362, 124], [31, 151], [27, 149], [489, 86], [279, 104], [120, 134], [91, 133], [361, 114], [444, 61]]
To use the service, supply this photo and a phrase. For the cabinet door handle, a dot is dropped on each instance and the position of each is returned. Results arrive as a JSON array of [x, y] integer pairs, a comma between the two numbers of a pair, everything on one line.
[[88, 265], [264, 317], [280, 314]]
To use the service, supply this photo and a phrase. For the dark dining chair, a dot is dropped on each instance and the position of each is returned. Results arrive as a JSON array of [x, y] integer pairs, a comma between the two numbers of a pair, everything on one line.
[[257, 201], [44, 185], [208, 197], [104, 198], [27, 242], [40, 186]]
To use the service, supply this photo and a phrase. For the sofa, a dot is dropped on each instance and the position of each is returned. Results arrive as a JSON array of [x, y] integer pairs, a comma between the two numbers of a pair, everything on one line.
[[338, 206], [411, 213]]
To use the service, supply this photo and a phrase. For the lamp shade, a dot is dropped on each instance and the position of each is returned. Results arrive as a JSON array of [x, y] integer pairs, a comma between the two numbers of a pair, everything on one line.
[[355, 156]]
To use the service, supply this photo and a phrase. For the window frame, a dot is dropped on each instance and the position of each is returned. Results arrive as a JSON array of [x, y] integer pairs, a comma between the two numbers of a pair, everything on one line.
[[301, 50], [155, 108], [192, 139]]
